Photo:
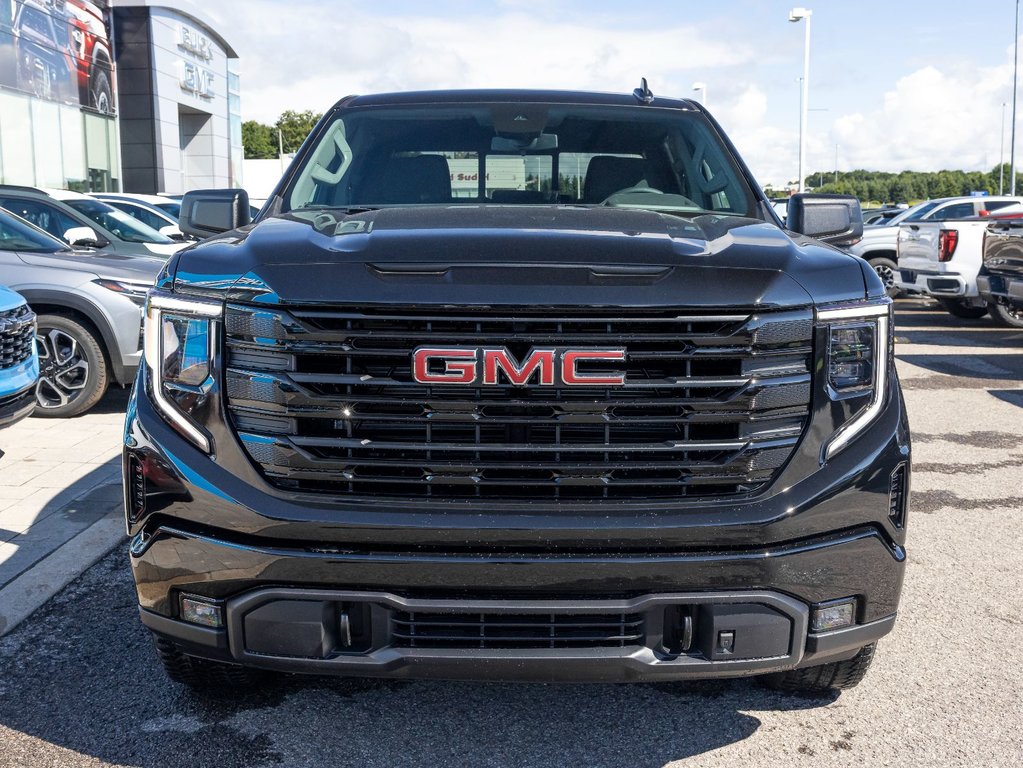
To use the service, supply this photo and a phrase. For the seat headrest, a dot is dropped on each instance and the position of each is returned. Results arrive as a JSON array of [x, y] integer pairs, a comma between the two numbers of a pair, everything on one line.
[[606, 174], [419, 179]]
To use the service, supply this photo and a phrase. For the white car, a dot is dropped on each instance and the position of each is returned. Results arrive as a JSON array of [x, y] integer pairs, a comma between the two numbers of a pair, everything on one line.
[[111, 218], [143, 208]]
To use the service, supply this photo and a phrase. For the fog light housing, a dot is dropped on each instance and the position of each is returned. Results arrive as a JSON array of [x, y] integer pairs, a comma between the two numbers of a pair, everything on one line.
[[199, 610], [834, 615]]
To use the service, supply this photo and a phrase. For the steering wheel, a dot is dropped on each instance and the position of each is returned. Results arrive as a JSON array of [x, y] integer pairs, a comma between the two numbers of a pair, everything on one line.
[[632, 191]]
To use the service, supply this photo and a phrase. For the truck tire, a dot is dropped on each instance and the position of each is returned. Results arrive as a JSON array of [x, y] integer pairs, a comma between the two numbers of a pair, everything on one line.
[[72, 367], [1010, 316], [836, 676], [887, 270], [962, 308], [203, 674], [100, 93]]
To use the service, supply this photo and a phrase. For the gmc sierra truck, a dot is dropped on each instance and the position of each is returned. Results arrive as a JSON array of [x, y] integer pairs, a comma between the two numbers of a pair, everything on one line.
[[518, 385], [1000, 281], [943, 259]]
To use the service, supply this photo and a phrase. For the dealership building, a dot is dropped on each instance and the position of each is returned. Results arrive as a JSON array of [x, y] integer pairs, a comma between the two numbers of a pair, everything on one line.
[[117, 95]]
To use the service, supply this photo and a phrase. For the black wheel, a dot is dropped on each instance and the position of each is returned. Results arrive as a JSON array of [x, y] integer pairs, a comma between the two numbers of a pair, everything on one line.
[[1010, 316], [72, 367], [836, 676], [100, 94], [887, 270], [203, 674], [962, 308]]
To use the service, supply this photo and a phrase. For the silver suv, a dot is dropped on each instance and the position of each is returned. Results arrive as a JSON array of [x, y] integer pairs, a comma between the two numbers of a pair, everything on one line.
[[89, 305]]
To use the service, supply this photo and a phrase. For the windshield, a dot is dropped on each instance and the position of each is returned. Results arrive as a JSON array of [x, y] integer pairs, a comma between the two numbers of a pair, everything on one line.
[[18, 235], [917, 212], [171, 208], [119, 223], [521, 154]]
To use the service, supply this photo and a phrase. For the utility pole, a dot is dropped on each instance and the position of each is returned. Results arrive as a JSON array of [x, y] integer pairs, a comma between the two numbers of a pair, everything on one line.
[[280, 148], [836, 163], [797, 15]]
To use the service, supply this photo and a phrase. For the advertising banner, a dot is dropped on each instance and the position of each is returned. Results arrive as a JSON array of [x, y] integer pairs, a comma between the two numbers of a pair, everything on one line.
[[58, 50]]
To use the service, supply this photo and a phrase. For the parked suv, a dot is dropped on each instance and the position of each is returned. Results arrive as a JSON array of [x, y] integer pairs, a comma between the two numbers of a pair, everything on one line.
[[83, 221], [89, 306], [609, 424], [19, 363]]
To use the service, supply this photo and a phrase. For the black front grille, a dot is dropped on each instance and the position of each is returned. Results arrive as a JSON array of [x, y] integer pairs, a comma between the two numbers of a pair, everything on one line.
[[501, 630], [17, 336], [712, 404]]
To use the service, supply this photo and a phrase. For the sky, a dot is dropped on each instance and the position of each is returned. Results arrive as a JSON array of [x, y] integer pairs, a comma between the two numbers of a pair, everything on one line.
[[897, 85]]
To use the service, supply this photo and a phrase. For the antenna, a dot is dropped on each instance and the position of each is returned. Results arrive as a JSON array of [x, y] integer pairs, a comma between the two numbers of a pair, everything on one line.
[[643, 93]]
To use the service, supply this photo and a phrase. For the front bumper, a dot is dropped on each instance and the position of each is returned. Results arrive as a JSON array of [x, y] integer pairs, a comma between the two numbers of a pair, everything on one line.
[[15, 407], [214, 529]]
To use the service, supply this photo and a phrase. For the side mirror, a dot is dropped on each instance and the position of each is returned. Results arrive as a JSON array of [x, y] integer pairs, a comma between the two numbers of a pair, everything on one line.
[[833, 219], [174, 233], [84, 237], [208, 212]]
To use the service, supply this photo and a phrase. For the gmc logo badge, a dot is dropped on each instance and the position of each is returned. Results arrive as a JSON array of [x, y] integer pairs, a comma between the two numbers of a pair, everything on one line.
[[492, 366]]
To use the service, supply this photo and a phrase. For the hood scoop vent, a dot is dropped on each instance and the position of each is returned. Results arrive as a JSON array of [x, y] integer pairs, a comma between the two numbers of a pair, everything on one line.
[[520, 274]]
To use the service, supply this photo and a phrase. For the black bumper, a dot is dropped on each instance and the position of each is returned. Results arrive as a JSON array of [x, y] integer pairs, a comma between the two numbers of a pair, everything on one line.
[[16, 407]]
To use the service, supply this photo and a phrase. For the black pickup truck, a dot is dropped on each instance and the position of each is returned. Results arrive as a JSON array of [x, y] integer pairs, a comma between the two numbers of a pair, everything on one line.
[[1000, 281], [518, 385]]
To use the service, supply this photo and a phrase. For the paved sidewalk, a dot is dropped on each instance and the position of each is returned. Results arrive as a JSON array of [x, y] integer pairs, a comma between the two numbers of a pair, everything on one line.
[[60, 503]]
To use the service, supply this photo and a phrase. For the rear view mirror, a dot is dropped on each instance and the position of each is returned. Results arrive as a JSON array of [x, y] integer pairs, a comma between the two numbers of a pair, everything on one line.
[[208, 212], [84, 237], [833, 219]]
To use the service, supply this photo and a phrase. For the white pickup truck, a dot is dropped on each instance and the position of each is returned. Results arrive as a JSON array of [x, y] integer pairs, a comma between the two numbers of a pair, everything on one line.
[[942, 259]]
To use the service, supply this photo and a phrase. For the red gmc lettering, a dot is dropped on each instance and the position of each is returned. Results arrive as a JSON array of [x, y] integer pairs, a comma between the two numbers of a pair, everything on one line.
[[487, 365], [570, 372], [495, 360], [459, 366]]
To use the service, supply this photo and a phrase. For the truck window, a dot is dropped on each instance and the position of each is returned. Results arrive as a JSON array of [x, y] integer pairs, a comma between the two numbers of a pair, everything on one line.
[[521, 154], [956, 211]]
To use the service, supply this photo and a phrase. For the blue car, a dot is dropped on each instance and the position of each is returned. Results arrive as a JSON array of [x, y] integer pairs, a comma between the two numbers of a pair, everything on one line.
[[19, 362]]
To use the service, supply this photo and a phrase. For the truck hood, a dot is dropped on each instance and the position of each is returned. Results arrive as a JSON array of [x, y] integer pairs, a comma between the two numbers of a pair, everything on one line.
[[9, 299], [143, 269], [519, 255]]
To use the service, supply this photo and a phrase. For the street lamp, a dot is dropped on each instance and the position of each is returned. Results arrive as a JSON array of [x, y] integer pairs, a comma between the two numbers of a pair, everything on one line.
[[797, 15], [702, 88]]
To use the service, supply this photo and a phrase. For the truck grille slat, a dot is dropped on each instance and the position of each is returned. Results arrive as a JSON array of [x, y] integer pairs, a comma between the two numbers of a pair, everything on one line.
[[17, 336], [712, 404], [497, 630]]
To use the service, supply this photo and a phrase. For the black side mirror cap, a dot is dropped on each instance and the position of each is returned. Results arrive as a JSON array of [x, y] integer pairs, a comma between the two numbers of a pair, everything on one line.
[[833, 219], [208, 212]]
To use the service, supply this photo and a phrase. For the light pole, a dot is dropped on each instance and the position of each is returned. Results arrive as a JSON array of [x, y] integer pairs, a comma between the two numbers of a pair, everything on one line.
[[702, 88], [1012, 141], [797, 15]]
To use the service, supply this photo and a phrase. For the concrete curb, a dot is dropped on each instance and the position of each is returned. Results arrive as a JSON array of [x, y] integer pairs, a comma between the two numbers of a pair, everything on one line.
[[29, 591]]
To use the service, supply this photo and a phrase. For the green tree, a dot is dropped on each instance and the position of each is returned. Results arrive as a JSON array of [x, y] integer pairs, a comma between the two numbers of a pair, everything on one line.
[[294, 127], [260, 141]]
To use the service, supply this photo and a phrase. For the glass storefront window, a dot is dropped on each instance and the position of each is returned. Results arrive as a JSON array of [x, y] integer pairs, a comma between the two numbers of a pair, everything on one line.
[[46, 128], [16, 146], [73, 142]]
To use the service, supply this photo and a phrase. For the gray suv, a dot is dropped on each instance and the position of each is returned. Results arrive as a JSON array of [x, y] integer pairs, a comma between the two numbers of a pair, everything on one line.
[[89, 305]]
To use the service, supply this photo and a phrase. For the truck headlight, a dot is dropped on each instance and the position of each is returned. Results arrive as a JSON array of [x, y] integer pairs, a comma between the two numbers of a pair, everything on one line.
[[180, 349], [859, 341]]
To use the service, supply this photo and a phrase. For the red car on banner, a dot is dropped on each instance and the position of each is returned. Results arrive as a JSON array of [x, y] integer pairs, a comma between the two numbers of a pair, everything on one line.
[[90, 46]]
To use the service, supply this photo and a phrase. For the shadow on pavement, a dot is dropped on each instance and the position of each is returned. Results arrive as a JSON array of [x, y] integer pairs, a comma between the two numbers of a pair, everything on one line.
[[81, 675], [921, 321]]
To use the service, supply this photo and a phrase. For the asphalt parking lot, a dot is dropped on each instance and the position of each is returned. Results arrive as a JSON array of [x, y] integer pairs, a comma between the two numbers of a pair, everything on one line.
[[80, 685]]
